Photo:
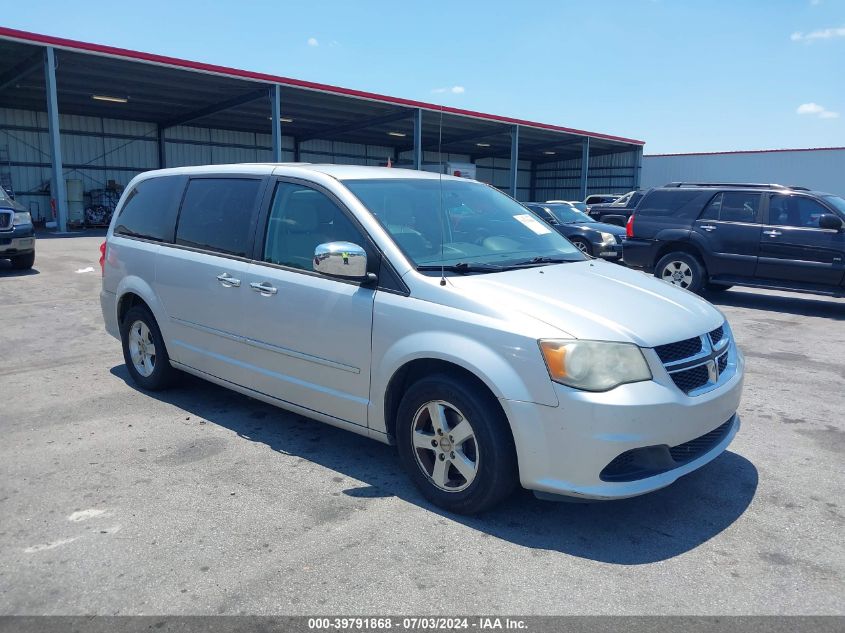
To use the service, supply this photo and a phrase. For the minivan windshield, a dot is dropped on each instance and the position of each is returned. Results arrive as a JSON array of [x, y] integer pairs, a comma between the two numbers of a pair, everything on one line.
[[464, 226]]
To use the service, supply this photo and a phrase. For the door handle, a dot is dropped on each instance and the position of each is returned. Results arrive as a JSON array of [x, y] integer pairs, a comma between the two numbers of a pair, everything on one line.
[[263, 287], [772, 233], [708, 227], [227, 281]]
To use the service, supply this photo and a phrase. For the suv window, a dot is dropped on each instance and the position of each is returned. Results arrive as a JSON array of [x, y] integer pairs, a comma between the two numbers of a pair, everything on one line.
[[216, 214], [795, 211], [302, 218], [733, 206], [675, 203], [149, 210]]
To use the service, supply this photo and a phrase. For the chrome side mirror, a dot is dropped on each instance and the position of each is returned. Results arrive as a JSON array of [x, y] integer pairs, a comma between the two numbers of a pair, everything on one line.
[[341, 259]]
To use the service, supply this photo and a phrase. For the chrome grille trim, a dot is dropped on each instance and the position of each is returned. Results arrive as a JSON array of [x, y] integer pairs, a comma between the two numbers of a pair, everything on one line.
[[705, 370]]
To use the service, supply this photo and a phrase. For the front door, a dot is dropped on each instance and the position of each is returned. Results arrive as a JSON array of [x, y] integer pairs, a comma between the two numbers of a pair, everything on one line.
[[309, 334], [730, 227], [794, 248]]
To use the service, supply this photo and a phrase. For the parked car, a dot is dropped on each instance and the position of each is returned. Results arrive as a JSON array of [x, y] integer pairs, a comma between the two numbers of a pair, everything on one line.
[[592, 238], [17, 234], [434, 313], [618, 211], [714, 236], [601, 198], [581, 206]]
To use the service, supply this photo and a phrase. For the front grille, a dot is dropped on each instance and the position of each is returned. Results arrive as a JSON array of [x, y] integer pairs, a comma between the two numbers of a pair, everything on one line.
[[648, 461], [6, 219], [691, 379], [716, 335], [672, 352], [723, 363]]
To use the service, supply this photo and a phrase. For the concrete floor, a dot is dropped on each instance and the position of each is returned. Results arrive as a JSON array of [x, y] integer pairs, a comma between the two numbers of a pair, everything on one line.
[[202, 501]]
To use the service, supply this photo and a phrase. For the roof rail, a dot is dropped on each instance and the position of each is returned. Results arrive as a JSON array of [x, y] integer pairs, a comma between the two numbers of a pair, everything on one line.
[[745, 185]]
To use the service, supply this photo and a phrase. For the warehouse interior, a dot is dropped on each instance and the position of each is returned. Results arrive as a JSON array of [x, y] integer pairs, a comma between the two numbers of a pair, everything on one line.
[[93, 117]]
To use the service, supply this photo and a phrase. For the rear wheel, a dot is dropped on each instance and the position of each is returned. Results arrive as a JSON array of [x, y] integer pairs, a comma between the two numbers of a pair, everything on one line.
[[144, 352], [23, 262], [682, 270], [455, 444]]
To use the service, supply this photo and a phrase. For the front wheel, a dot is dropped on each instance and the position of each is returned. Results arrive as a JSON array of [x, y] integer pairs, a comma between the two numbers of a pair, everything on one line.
[[682, 270], [144, 352], [582, 245], [455, 444]]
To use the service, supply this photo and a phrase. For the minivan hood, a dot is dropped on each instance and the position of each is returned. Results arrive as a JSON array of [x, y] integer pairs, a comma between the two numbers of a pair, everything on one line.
[[596, 300]]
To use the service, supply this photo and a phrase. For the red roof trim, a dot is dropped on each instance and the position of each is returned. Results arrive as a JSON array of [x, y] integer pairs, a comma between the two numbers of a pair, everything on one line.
[[749, 151], [60, 42]]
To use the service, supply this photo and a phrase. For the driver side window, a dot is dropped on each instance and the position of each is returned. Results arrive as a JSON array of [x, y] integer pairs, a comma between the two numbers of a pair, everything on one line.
[[301, 218]]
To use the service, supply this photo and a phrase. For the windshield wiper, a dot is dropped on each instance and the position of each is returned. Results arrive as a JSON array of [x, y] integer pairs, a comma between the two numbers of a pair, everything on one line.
[[461, 267], [536, 261]]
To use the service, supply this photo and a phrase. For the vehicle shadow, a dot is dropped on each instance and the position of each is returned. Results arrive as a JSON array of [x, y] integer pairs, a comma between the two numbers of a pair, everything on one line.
[[796, 305], [635, 531]]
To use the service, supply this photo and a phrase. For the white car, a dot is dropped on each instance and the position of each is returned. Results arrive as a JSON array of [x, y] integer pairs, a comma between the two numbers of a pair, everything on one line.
[[427, 311]]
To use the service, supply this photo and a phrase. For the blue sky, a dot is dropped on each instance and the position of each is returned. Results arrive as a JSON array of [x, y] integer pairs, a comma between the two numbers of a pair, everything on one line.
[[681, 75]]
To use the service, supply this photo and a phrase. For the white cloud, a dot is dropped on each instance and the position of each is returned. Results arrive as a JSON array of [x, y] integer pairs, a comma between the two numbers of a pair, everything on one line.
[[815, 109], [457, 90], [312, 41], [819, 34]]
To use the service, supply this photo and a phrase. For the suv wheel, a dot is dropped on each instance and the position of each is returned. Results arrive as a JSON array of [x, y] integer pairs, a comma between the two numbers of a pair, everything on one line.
[[23, 262], [144, 351], [455, 444], [682, 270]]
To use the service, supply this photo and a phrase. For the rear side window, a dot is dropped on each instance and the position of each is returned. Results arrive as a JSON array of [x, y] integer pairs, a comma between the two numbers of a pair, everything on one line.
[[681, 204], [150, 209], [216, 214], [733, 206]]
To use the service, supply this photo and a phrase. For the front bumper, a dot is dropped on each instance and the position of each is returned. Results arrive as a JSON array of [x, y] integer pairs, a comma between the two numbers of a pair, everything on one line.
[[610, 251], [563, 450], [19, 241]]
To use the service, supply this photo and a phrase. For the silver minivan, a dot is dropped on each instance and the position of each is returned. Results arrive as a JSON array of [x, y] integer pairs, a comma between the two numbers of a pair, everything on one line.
[[426, 311]]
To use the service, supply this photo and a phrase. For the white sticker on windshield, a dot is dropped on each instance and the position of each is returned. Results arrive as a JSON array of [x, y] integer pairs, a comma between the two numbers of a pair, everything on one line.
[[533, 223]]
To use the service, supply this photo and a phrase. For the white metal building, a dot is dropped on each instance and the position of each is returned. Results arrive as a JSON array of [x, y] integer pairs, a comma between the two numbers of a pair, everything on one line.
[[820, 168]]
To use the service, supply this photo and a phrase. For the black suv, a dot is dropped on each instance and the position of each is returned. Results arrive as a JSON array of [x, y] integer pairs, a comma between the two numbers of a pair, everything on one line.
[[710, 236]]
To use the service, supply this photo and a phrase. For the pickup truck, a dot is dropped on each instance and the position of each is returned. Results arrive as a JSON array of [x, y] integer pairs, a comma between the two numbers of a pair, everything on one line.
[[17, 235], [618, 211]]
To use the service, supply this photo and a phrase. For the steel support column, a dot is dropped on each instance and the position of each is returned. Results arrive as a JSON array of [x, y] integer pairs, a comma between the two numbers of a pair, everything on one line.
[[638, 167], [514, 159], [585, 168], [162, 149], [276, 114], [57, 189], [418, 153]]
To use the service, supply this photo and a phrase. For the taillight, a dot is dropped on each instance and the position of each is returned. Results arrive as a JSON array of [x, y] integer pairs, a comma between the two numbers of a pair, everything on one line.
[[629, 226], [102, 259]]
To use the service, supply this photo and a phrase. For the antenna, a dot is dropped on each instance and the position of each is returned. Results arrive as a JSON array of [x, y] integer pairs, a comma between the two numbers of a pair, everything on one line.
[[441, 217]]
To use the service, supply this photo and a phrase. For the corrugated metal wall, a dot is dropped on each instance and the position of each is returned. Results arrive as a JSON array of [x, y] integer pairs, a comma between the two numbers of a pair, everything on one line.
[[610, 173], [817, 169], [101, 150]]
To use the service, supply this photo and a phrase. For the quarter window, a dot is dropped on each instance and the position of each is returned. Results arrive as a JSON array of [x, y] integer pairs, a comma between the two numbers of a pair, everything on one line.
[[795, 211], [149, 210], [300, 219], [216, 214]]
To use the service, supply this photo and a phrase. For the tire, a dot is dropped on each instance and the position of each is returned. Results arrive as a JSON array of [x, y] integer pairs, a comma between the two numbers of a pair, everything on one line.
[[476, 471], [682, 270], [582, 245], [718, 287], [151, 369], [23, 262]]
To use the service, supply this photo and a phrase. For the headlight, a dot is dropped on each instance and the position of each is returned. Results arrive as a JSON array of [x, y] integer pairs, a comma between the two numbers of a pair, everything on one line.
[[608, 238], [22, 217], [594, 365]]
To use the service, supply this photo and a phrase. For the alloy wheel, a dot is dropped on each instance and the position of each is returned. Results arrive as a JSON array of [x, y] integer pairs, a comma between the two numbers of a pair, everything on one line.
[[142, 348], [677, 273], [445, 446]]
